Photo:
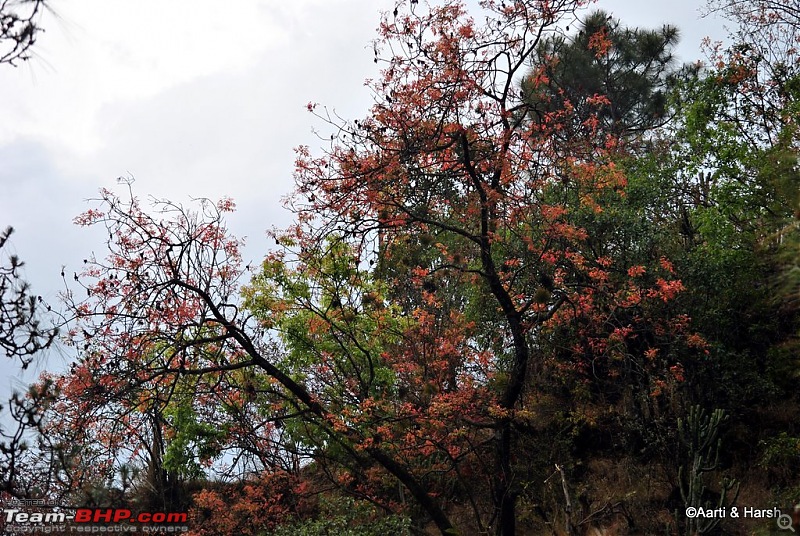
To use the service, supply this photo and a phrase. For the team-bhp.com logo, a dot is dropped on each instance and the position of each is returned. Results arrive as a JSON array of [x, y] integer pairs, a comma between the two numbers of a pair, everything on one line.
[[92, 520], [119, 515]]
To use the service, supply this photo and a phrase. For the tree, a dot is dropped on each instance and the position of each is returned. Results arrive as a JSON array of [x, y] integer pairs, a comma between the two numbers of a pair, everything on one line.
[[19, 27], [21, 334], [438, 256], [484, 267], [736, 162], [770, 27], [619, 76], [162, 308], [470, 211], [158, 383], [759, 71], [22, 337], [724, 199]]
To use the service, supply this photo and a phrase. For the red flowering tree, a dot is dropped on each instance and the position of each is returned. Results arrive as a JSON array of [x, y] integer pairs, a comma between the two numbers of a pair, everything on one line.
[[438, 253], [439, 245], [164, 380]]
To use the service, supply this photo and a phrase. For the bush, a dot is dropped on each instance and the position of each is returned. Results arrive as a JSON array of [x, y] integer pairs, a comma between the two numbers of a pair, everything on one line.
[[341, 516]]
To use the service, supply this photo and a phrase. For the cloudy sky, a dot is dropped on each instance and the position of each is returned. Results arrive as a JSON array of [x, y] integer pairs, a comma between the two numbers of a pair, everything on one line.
[[191, 99]]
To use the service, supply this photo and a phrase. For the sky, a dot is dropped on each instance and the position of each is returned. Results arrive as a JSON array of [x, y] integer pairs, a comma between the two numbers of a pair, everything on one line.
[[191, 100]]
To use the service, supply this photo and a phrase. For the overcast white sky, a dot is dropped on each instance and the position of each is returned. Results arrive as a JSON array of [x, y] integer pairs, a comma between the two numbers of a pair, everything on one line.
[[192, 98]]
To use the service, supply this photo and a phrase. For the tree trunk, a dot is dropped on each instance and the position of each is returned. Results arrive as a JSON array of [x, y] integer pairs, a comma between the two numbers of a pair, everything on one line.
[[504, 496]]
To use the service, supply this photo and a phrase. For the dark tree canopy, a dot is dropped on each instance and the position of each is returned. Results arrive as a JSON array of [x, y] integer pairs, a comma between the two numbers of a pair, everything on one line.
[[605, 70]]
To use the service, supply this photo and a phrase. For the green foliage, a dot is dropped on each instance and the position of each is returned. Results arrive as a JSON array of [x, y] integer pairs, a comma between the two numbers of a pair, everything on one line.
[[734, 197], [328, 311], [341, 516], [780, 451], [193, 443], [779, 459]]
